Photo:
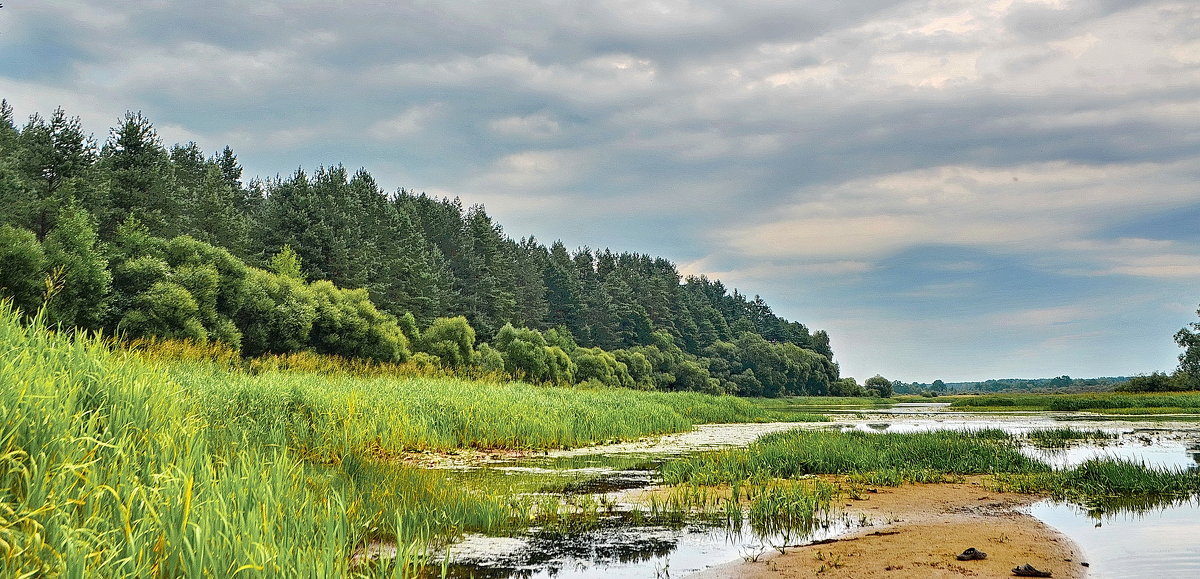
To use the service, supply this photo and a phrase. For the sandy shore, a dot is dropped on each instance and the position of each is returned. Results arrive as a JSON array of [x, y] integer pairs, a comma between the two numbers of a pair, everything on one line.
[[926, 526]]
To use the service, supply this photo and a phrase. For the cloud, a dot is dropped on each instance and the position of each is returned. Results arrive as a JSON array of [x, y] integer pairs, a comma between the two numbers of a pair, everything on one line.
[[412, 121], [880, 166], [536, 126]]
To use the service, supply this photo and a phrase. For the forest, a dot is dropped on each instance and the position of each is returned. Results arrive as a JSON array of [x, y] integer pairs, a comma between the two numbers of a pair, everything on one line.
[[136, 239]]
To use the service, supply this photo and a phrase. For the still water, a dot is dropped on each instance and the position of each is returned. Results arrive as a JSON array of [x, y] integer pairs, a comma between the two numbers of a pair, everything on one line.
[[1118, 540]]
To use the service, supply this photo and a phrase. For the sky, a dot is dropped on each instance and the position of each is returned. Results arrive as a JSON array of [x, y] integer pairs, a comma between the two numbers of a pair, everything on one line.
[[953, 189]]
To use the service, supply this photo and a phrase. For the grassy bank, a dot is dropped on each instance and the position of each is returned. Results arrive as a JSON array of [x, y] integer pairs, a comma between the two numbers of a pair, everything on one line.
[[1145, 403], [115, 465]]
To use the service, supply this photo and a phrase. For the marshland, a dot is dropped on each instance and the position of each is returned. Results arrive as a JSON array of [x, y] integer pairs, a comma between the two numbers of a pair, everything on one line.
[[134, 462], [273, 365]]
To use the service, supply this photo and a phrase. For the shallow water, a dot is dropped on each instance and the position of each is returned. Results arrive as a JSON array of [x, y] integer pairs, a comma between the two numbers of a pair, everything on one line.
[[1155, 542], [1158, 542], [620, 549]]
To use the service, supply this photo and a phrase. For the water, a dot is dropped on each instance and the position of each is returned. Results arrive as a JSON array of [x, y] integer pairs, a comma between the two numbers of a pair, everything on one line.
[[1119, 541], [1156, 542], [619, 549]]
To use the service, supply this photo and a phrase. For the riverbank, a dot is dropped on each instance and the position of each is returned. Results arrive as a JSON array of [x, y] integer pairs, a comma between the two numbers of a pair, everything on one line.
[[923, 527]]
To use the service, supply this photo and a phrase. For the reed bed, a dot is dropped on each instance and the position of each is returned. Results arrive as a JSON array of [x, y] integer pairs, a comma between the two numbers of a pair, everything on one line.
[[1063, 437], [797, 453], [327, 417], [116, 464]]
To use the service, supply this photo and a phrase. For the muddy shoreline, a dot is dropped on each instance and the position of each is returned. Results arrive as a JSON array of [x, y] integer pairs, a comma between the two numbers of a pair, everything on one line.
[[924, 526]]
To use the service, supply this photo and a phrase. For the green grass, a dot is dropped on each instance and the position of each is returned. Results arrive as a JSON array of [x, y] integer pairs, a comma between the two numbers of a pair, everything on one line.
[[330, 416], [789, 403], [798, 453], [114, 464], [1062, 437], [922, 457], [1146, 403], [1103, 480]]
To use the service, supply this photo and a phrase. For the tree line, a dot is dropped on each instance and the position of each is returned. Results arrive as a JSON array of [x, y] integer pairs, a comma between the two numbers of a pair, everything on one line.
[[139, 239]]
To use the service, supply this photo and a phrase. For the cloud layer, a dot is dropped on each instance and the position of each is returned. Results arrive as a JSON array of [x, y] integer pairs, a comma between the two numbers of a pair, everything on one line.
[[954, 189]]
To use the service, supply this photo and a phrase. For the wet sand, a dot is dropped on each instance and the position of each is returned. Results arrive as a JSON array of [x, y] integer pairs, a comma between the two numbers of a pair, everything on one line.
[[924, 527]]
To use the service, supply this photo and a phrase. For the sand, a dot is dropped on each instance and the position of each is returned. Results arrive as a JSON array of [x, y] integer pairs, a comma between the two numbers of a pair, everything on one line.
[[924, 527]]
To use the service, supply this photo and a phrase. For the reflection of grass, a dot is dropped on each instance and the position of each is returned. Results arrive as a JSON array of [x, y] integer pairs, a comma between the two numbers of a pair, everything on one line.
[[1145, 403], [1061, 437]]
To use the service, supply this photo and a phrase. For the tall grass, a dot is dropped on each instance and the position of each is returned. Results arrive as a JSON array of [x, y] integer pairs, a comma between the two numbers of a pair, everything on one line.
[[328, 416], [796, 453], [116, 464]]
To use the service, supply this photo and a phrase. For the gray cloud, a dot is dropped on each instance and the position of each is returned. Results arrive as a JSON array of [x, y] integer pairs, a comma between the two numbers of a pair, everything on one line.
[[796, 147]]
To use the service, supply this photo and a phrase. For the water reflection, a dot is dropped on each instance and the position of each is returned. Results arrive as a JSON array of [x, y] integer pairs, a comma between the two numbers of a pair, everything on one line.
[[1131, 538], [620, 547]]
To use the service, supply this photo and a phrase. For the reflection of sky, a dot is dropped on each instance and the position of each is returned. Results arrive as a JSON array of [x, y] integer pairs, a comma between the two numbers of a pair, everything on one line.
[[1158, 543]]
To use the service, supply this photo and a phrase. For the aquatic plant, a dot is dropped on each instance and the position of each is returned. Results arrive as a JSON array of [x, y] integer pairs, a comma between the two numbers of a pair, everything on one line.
[[796, 453], [1062, 437]]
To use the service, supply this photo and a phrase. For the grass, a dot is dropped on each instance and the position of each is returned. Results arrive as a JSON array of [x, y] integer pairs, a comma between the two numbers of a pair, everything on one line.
[[798, 453], [1144, 403], [123, 464], [1105, 479], [922, 457], [1063, 437]]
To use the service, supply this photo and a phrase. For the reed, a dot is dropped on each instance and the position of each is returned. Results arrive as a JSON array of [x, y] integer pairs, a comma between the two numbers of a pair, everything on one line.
[[170, 459], [796, 453], [1062, 437]]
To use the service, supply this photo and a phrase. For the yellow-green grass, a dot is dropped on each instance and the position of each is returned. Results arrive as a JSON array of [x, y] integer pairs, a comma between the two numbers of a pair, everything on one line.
[[112, 464]]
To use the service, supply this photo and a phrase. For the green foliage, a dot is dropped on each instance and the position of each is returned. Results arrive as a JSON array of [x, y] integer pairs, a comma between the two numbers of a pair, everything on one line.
[[166, 310], [846, 387], [452, 340], [1158, 382], [418, 259], [22, 269], [286, 263], [347, 324], [603, 367], [79, 274], [879, 386]]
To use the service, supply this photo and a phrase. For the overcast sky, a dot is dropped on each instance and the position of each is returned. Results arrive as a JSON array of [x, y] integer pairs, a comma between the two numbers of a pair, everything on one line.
[[954, 189]]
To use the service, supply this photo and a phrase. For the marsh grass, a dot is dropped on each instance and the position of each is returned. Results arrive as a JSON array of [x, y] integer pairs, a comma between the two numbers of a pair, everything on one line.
[[1063, 437], [115, 463], [1103, 480], [797, 453]]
